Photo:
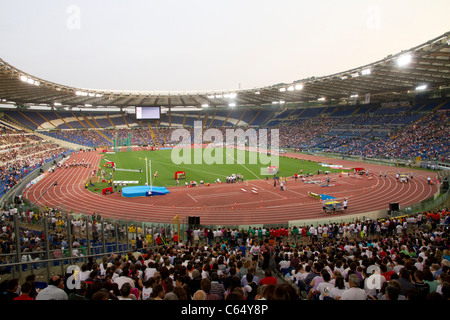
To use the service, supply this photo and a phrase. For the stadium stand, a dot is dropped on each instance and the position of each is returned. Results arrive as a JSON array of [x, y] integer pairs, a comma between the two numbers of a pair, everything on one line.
[[327, 261], [372, 129], [331, 261]]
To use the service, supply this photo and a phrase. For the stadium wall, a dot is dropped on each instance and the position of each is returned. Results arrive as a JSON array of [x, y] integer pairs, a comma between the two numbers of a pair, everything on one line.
[[378, 214]]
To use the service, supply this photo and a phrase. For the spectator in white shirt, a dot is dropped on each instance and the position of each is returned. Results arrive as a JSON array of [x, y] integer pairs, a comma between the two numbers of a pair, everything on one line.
[[354, 292]]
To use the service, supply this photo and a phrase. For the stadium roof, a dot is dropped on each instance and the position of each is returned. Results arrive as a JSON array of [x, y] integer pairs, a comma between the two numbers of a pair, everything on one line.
[[400, 76]]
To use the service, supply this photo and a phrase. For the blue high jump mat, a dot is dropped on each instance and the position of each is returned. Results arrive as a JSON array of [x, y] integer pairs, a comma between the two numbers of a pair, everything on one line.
[[143, 191], [326, 197]]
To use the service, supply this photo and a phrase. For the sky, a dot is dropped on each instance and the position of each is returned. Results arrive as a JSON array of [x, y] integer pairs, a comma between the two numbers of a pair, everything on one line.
[[197, 45]]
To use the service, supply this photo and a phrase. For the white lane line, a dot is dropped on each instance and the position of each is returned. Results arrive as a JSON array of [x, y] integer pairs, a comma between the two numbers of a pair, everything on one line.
[[191, 197]]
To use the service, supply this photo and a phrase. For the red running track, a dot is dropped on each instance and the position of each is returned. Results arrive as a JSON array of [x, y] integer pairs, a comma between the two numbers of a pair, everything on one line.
[[228, 204]]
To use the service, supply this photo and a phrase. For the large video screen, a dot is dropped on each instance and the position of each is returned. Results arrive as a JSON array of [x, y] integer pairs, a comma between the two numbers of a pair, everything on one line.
[[148, 113]]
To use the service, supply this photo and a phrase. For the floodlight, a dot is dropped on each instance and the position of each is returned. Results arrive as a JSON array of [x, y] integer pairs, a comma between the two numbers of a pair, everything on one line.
[[24, 78], [205, 105], [421, 87], [404, 60], [366, 72], [230, 95], [232, 105], [298, 86], [282, 89]]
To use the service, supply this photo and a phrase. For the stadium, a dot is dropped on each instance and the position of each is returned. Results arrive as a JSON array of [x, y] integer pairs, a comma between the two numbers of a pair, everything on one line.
[[280, 177]]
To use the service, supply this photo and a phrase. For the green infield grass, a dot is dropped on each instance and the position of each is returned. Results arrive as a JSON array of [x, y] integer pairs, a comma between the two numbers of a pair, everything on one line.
[[132, 166]]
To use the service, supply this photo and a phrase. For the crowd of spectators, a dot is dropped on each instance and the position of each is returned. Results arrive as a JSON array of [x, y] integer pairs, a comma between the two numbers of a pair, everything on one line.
[[34, 150], [88, 138], [139, 135], [366, 135], [409, 261], [428, 138], [11, 139], [6, 131], [409, 257], [22, 153], [306, 133], [94, 138], [15, 169]]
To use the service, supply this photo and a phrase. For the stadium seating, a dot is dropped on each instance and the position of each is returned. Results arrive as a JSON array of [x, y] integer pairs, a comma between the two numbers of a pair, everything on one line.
[[377, 131], [328, 128], [326, 261]]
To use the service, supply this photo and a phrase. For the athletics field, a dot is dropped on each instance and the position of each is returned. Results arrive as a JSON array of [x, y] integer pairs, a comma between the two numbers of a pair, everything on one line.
[[140, 167]]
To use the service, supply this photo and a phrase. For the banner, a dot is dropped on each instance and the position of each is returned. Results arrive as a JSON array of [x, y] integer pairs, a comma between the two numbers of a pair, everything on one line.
[[180, 175]]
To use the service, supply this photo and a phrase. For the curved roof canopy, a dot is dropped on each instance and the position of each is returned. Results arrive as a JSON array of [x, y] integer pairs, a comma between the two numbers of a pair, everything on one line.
[[398, 76]]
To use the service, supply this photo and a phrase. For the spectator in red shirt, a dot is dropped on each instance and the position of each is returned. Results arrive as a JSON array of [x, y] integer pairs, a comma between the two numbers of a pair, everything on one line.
[[25, 289], [304, 232], [268, 279], [384, 272], [272, 232], [278, 234]]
